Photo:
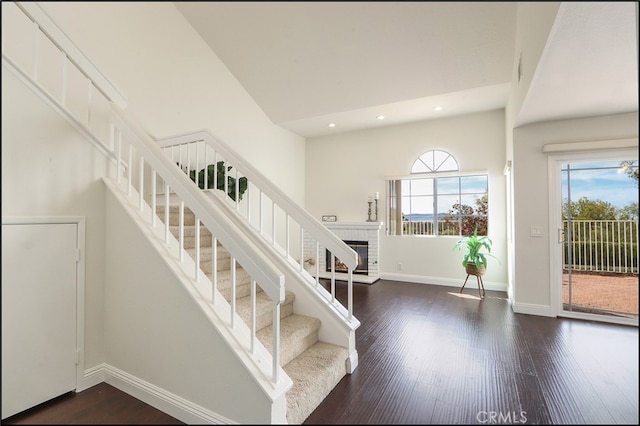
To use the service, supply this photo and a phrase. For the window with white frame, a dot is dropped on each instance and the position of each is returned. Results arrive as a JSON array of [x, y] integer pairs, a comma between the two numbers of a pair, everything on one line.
[[438, 199]]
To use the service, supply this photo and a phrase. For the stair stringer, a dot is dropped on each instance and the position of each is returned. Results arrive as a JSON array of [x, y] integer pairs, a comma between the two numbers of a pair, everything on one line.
[[310, 300], [257, 366]]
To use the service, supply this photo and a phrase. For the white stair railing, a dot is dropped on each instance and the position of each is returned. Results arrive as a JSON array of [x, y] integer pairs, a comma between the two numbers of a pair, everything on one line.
[[139, 162], [81, 95], [143, 158], [280, 221]]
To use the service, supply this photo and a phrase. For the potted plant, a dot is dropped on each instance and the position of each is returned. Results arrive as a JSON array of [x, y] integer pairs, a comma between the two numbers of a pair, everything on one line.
[[477, 250], [220, 171]]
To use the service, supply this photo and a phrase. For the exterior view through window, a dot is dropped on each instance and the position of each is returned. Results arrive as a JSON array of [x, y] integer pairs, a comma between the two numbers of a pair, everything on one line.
[[437, 199]]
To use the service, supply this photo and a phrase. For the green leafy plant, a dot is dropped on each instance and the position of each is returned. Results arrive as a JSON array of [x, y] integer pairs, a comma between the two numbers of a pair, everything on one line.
[[477, 249], [218, 172]]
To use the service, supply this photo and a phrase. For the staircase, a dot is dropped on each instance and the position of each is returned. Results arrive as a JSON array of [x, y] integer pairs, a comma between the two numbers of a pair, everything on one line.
[[314, 367]]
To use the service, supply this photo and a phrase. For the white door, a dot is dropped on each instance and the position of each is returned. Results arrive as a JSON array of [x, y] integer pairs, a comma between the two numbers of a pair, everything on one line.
[[39, 285]]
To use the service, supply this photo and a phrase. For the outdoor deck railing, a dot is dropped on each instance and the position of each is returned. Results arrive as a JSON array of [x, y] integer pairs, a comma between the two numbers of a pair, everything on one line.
[[601, 245]]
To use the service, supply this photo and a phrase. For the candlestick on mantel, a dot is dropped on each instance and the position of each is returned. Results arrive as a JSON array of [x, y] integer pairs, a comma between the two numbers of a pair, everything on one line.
[[376, 210], [369, 219], [377, 195]]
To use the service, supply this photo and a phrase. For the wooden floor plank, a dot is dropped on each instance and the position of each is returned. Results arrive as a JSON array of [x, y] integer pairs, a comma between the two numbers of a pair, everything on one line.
[[478, 358], [430, 355]]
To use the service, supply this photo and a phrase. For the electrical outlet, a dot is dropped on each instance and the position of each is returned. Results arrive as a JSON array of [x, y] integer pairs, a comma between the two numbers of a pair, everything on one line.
[[399, 266]]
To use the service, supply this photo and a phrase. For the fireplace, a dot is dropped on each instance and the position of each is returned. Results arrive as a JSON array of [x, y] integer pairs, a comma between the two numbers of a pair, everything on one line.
[[368, 233], [361, 248]]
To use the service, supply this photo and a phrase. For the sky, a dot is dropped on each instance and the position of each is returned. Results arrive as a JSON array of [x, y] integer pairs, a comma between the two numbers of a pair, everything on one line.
[[603, 181]]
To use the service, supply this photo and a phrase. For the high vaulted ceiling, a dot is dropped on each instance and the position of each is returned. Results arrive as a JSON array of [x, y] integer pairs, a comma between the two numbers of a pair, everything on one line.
[[308, 64]]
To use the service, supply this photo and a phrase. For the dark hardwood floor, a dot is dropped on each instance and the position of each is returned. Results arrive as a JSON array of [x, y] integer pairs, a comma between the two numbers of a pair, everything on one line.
[[101, 404], [429, 355]]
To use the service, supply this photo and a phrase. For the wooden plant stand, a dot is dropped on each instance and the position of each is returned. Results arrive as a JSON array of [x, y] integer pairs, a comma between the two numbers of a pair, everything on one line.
[[478, 272]]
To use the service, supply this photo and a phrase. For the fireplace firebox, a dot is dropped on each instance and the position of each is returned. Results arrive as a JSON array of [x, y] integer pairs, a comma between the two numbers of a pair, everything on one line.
[[362, 249]]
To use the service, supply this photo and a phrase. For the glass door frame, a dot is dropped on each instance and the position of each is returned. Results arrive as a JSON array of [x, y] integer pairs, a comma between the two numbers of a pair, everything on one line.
[[555, 162]]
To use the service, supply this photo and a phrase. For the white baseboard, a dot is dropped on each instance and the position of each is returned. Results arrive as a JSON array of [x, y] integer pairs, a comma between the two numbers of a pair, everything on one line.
[[449, 282], [92, 377], [165, 401], [531, 309]]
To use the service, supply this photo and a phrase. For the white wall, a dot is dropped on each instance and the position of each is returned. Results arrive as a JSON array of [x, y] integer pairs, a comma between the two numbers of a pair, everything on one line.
[[155, 332], [531, 199], [48, 169], [343, 170], [176, 84], [534, 22]]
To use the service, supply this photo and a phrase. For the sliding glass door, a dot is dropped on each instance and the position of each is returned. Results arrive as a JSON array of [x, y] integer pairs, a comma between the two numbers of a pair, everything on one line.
[[599, 237]]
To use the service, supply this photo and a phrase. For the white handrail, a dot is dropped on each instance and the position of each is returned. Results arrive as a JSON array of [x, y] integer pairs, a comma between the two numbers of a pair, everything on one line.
[[34, 12]]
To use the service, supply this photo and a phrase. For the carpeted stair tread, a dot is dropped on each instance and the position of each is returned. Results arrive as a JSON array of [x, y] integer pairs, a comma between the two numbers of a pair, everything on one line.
[[190, 230], [314, 374], [206, 250], [190, 242], [243, 283], [297, 334], [174, 214], [264, 308], [206, 264]]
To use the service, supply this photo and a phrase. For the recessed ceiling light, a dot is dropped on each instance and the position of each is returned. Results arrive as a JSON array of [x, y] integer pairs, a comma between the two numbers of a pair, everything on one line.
[[380, 117], [332, 124], [437, 108]]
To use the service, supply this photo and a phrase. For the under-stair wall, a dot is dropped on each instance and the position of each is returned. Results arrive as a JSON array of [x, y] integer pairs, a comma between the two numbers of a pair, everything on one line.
[[163, 342]]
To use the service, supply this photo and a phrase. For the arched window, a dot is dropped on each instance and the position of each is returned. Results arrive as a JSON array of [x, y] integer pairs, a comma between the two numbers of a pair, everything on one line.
[[435, 161], [438, 199]]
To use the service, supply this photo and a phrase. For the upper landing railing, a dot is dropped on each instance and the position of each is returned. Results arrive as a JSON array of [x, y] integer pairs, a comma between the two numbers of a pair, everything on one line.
[[38, 52]]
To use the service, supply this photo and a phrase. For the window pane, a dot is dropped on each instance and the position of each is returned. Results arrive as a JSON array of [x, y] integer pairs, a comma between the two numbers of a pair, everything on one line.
[[427, 159], [419, 167], [421, 206], [418, 219], [446, 203], [421, 186], [449, 165], [473, 184], [450, 185], [447, 225], [405, 207]]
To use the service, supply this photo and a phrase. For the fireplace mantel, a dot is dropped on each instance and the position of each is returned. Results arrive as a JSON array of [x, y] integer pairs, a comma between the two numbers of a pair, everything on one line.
[[353, 225], [353, 231]]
